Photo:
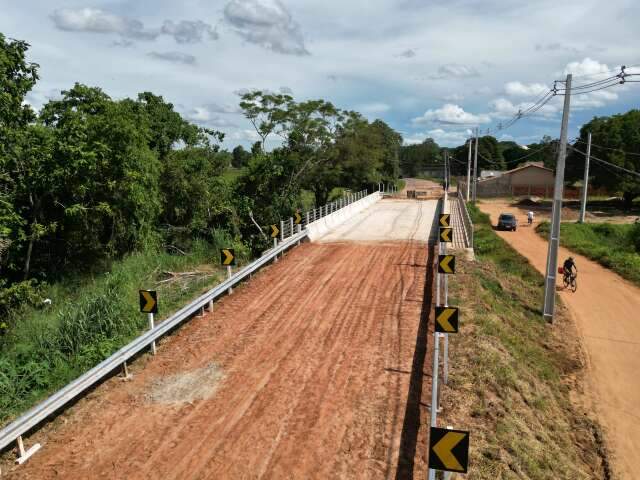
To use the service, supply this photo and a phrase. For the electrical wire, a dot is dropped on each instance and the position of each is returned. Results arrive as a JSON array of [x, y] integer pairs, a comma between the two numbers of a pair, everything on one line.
[[590, 87], [608, 148], [593, 157]]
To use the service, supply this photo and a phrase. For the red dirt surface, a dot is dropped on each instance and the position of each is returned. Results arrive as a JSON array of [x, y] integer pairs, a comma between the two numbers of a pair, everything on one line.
[[321, 366], [606, 310]]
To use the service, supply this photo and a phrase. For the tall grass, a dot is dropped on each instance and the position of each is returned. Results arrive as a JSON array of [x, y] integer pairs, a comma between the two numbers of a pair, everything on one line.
[[91, 318], [509, 371], [614, 246]]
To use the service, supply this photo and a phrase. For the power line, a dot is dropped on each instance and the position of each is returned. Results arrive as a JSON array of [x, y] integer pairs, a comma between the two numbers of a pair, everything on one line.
[[609, 148], [593, 157], [609, 82]]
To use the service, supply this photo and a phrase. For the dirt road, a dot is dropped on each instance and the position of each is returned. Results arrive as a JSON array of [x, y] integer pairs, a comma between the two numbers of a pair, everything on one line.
[[606, 309], [433, 189], [313, 369]]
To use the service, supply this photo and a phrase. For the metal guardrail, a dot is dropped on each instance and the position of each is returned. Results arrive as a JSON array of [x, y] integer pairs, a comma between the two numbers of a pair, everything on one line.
[[14, 431], [467, 224], [288, 226]]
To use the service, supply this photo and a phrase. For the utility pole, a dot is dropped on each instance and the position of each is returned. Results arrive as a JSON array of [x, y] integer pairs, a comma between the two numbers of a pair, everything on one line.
[[585, 183], [469, 169], [475, 168], [446, 170], [554, 237]]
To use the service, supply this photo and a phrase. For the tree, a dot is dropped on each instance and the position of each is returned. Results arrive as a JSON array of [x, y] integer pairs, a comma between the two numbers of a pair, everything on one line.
[[615, 139], [17, 78], [420, 158], [195, 198], [240, 157], [166, 126], [106, 176]]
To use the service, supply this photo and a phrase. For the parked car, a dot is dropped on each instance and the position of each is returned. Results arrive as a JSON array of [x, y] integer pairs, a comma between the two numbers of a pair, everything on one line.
[[507, 221]]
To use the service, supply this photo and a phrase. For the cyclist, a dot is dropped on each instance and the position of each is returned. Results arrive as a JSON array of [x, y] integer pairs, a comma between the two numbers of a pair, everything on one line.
[[569, 268], [530, 217]]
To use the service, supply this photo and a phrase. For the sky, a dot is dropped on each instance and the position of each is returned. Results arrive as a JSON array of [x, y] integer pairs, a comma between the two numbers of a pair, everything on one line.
[[429, 68]]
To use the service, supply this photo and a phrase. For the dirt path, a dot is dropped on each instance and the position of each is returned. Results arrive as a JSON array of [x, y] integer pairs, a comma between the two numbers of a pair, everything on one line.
[[304, 372], [434, 189], [606, 309]]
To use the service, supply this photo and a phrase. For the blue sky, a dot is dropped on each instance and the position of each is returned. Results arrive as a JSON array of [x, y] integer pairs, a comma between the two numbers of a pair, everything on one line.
[[428, 68]]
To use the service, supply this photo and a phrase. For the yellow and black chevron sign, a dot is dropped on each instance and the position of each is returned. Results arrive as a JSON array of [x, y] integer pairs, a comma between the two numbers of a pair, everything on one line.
[[297, 219], [447, 264], [148, 301], [448, 450], [227, 256], [444, 219], [275, 231], [446, 319], [446, 234]]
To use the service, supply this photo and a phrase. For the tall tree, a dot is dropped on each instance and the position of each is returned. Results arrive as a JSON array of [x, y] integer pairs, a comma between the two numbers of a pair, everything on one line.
[[616, 139]]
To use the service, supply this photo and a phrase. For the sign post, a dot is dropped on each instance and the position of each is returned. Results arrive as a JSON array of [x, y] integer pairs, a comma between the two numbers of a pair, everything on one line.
[[149, 305], [228, 259], [448, 450]]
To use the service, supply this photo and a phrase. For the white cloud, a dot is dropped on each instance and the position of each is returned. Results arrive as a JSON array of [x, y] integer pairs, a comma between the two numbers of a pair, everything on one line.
[[455, 70], [588, 67], [451, 114], [519, 89], [99, 21], [267, 23], [187, 31], [203, 116], [175, 57], [593, 99], [503, 109], [442, 137], [95, 20]]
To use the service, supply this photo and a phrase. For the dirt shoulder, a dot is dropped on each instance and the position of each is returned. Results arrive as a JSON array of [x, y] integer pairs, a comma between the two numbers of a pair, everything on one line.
[[605, 310], [313, 369]]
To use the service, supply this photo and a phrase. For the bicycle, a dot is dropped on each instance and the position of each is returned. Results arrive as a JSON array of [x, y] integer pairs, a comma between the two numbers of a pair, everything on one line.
[[570, 280]]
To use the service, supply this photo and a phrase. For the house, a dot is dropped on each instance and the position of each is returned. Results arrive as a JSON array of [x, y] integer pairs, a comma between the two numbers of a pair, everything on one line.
[[532, 178]]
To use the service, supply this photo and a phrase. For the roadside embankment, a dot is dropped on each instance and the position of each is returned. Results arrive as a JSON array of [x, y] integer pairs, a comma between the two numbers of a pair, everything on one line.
[[515, 381]]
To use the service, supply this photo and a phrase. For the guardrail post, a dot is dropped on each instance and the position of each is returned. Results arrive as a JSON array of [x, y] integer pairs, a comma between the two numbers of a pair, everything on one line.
[[307, 219], [229, 275], [291, 225], [211, 305], [275, 245], [151, 327], [24, 455], [282, 230]]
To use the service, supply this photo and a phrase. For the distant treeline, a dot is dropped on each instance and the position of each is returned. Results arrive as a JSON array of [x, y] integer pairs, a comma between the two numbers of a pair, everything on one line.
[[615, 139]]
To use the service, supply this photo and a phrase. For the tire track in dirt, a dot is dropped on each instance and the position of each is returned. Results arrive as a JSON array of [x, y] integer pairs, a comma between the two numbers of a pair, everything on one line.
[[306, 349]]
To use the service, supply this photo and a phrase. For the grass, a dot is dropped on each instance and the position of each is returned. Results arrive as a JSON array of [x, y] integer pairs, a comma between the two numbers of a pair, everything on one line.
[[511, 372], [91, 318], [231, 174], [613, 246]]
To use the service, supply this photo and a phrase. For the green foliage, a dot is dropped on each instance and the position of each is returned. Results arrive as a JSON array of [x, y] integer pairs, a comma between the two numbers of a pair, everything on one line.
[[421, 158], [195, 196], [91, 318], [486, 247], [616, 139], [240, 157], [612, 245]]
